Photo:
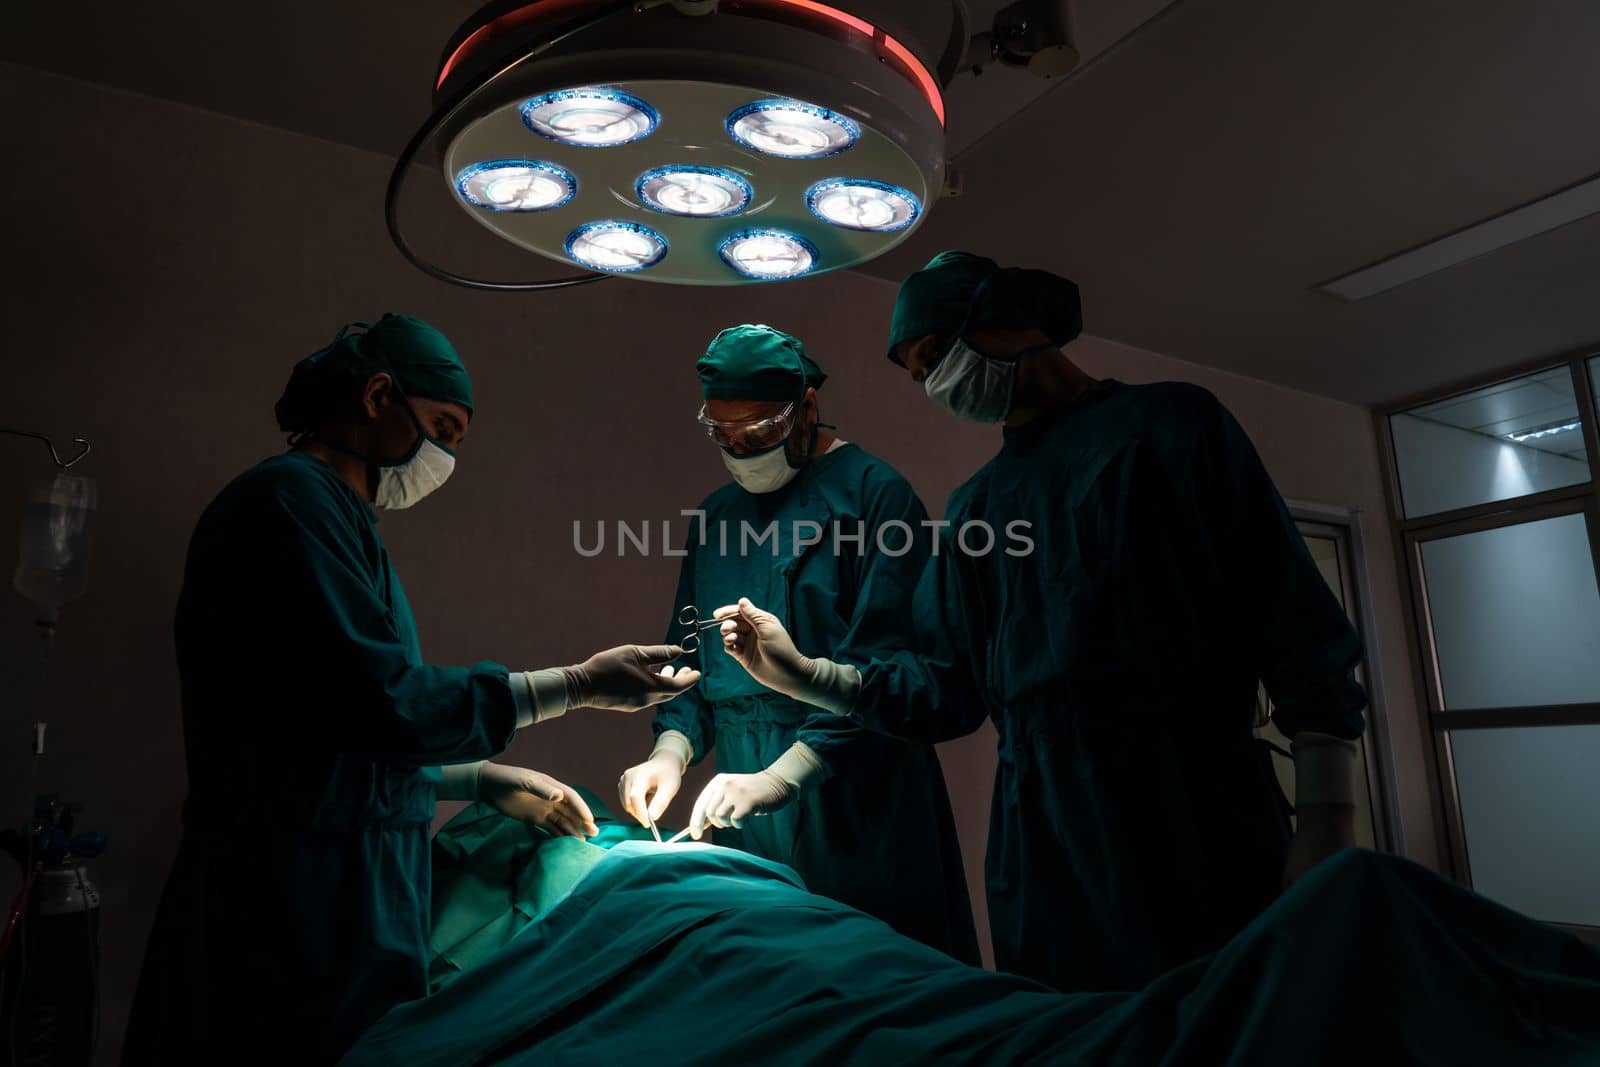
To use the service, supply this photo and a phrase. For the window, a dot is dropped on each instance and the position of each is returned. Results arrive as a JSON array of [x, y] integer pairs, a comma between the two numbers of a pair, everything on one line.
[[1504, 441], [1594, 380], [1516, 614], [1501, 526], [1528, 798]]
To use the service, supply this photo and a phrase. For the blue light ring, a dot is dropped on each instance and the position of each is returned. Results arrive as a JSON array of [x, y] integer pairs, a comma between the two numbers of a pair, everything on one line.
[[767, 231], [616, 224], [555, 170], [695, 168], [589, 93], [815, 193], [849, 125]]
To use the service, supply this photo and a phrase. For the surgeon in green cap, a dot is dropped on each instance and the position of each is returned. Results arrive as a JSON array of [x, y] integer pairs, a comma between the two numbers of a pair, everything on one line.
[[317, 738], [1136, 822], [862, 818]]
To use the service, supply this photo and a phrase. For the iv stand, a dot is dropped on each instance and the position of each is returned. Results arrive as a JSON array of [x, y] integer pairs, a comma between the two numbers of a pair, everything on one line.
[[30, 863]]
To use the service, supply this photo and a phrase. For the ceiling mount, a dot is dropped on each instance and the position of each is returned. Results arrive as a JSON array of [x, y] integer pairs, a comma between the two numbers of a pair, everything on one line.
[[1035, 35]]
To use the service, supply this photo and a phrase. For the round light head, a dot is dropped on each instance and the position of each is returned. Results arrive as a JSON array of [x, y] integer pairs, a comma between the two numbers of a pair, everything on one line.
[[516, 185], [592, 117], [792, 129], [862, 204], [690, 189], [695, 142], [616, 246], [769, 255]]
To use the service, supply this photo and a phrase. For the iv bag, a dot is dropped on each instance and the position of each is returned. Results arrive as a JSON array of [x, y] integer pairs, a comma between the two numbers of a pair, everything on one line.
[[53, 548]]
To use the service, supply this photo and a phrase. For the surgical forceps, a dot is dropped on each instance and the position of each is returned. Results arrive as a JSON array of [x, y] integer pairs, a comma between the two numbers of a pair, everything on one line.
[[689, 617]]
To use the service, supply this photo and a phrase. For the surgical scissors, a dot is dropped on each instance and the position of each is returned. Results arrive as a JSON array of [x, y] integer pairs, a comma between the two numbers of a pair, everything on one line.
[[689, 616]]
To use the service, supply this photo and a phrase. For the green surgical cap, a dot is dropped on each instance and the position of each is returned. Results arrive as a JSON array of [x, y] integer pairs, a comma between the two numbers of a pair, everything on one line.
[[756, 363], [422, 360], [958, 290]]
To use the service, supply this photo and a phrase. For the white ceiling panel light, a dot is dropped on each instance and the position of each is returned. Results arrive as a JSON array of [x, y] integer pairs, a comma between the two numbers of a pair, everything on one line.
[[1545, 431], [702, 143], [1558, 209]]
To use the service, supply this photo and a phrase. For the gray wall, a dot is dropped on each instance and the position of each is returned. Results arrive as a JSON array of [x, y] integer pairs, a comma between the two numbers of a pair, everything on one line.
[[167, 267]]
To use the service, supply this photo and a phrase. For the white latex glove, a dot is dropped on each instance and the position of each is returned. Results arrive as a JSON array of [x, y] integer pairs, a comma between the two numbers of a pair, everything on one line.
[[758, 641], [647, 788], [760, 644], [730, 799], [535, 798], [1325, 800], [628, 678]]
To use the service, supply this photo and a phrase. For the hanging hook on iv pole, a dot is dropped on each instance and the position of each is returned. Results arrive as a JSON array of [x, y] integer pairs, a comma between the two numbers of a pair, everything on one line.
[[62, 463]]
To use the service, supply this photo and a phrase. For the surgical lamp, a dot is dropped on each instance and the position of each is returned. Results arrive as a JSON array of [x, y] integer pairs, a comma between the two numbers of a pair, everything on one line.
[[698, 142]]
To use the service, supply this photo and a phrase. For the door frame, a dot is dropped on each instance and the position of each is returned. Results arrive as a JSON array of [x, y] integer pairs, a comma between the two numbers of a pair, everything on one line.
[[1342, 525]]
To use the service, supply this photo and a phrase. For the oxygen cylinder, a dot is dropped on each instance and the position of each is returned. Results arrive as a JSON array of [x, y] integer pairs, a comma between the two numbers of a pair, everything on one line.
[[52, 965]]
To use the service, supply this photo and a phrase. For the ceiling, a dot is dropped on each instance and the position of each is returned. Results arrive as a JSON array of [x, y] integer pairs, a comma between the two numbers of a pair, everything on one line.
[[1536, 402], [1196, 179]]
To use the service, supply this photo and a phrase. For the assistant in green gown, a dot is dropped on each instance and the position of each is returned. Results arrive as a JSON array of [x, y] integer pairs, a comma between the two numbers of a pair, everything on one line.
[[1136, 823]]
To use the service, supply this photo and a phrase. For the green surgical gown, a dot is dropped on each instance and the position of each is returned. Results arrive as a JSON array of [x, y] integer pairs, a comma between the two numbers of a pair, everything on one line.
[[297, 909], [878, 834], [1136, 822]]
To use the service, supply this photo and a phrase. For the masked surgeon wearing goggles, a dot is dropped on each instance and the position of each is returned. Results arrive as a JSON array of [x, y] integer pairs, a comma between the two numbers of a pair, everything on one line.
[[863, 818]]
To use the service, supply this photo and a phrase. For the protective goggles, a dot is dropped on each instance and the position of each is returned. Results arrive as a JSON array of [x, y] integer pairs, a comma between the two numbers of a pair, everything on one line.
[[751, 436]]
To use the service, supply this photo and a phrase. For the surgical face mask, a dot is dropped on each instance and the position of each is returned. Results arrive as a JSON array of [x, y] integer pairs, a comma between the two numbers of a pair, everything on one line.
[[766, 471], [971, 385], [425, 468], [404, 481]]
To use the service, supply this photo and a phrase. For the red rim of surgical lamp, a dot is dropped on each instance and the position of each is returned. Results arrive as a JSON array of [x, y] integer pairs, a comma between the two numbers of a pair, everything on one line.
[[538, 9]]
